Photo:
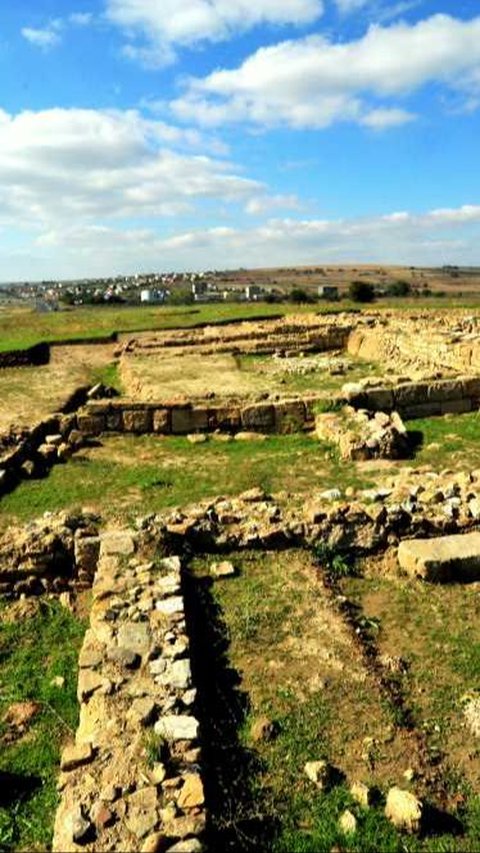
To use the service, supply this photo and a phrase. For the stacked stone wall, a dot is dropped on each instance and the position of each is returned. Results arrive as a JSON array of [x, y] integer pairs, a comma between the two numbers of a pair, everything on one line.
[[131, 781]]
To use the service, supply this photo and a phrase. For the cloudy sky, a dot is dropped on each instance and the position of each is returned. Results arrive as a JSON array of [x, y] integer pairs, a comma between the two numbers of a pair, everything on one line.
[[178, 134]]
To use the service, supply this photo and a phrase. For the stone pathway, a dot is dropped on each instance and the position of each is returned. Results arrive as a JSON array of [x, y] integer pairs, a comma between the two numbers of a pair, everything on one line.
[[131, 780]]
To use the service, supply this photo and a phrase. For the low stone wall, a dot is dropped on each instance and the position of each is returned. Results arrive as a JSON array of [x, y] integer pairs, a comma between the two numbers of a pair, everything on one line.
[[285, 416], [30, 357], [131, 781], [418, 399], [55, 554]]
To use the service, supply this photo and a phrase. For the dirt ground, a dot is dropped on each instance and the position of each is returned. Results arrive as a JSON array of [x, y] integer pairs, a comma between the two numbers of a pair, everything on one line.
[[27, 394]]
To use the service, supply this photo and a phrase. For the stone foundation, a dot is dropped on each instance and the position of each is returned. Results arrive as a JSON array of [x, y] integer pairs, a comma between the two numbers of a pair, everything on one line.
[[131, 781]]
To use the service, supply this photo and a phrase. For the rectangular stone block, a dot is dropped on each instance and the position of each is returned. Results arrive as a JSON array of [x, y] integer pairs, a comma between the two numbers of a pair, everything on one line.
[[457, 407], [379, 399], [410, 394], [444, 559], [139, 421], [161, 421], [91, 424], [289, 417], [228, 418], [471, 386], [186, 419], [450, 389], [260, 417], [425, 410], [114, 420]]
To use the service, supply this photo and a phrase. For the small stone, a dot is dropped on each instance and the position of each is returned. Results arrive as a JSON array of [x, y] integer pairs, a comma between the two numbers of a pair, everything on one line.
[[126, 658], [142, 811], [76, 756], [348, 823], [117, 542], [197, 438], [189, 697], [178, 675], [179, 727], [192, 793], [361, 794], [188, 845], [319, 772], [109, 793], [409, 774], [81, 827], [141, 712], [155, 843], [403, 809], [263, 729], [101, 815], [169, 606], [158, 773], [222, 570]]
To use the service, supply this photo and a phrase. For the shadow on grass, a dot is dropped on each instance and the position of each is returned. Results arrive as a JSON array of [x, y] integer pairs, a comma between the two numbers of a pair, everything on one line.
[[415, 442], [15, 787], [239, 816]]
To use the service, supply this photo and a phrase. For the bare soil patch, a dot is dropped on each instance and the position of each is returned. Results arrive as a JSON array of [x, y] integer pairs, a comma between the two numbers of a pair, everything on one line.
[[28, 394]]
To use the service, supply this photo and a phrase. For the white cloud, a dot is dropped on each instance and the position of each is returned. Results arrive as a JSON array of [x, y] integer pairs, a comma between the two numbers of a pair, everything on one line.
[[74, 166], [163, 24], [433, 238], [51, 35], [44, 38], [80, 19], [314, 82], [259, 205]]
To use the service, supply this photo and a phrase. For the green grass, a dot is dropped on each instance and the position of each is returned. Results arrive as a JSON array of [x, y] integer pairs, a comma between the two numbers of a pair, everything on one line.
[[315, 381], [32, 652], [276, 808], [23, 328], [133, 475], [457, 437]]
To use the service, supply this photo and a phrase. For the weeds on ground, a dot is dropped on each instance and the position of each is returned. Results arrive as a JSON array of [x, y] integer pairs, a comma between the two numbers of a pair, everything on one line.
[[33, 653]]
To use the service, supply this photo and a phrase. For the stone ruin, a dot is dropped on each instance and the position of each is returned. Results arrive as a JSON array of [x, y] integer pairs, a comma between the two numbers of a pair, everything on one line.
[[133, 779]]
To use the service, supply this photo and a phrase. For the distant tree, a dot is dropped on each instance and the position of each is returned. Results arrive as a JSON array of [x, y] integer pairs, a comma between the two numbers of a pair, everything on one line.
[[299, 296], [182, 296], [399, 288], [361, 291]]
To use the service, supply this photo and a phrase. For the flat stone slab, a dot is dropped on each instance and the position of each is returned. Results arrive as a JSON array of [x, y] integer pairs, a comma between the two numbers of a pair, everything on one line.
[[447, 558]]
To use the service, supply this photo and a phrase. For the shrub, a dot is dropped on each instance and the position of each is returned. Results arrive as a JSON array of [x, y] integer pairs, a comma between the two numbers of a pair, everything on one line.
[[361, 291]]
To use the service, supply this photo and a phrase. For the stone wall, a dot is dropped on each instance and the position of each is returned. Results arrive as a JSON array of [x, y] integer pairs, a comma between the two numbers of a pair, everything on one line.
[[284, 416], [131, 781], [55, 554], [418, 399]]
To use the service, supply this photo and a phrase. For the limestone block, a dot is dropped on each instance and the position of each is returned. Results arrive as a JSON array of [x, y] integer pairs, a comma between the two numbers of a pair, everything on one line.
[[450, 389], [114, 420], [139, 421], [411, 394], [261, 417], [91, 424], [379, 399], [447, 558], [457, 407], [87, 549], [186, 420], [161, 421], [289, 416], [227, 418]]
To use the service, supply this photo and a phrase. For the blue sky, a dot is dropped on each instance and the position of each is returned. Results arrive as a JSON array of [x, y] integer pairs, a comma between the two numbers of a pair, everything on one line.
[[189, 134]]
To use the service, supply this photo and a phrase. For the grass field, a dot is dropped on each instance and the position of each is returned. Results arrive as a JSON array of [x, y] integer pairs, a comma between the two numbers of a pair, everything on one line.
[[21, 327], [277, 650], [34, 651], [132, 475]]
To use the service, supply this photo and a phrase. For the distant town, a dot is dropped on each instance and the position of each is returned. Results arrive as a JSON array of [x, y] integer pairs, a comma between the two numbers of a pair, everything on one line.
[[298, 284]]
